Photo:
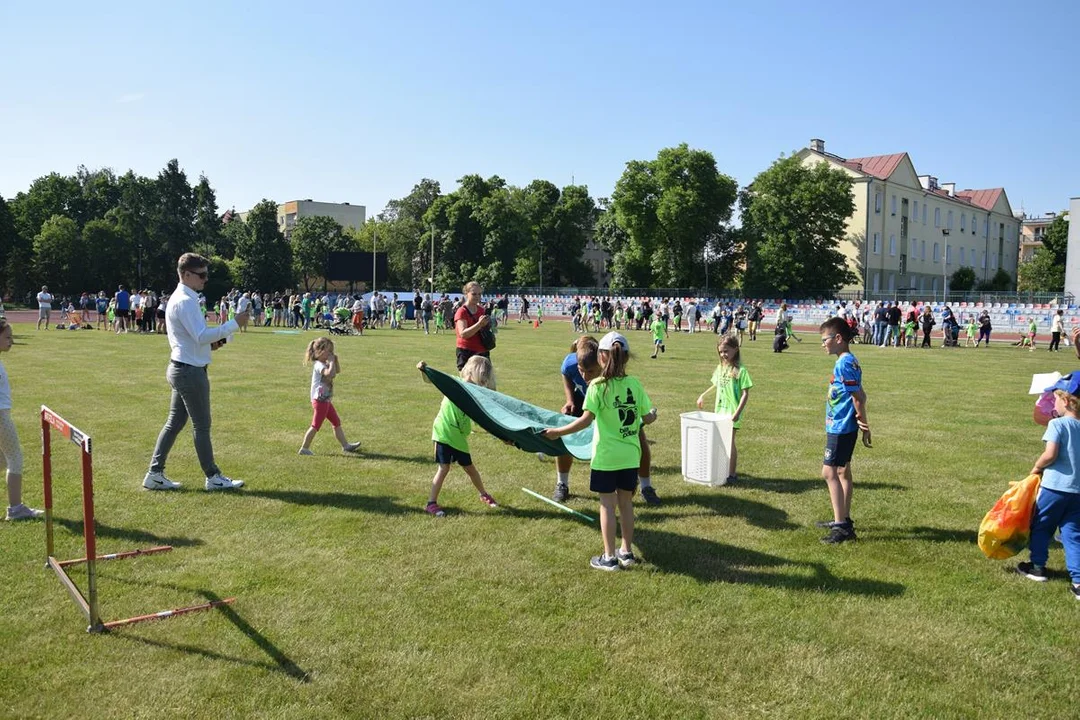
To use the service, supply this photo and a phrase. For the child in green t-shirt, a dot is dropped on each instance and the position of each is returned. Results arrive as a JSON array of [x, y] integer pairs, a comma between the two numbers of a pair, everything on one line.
[[399, 315], [732, 384], [451, 431], [619, 405], [659, 330], [971, 327], [1033, 329]]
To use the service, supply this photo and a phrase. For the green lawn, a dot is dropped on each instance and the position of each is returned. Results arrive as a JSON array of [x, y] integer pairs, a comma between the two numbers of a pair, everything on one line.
[[352, 602]]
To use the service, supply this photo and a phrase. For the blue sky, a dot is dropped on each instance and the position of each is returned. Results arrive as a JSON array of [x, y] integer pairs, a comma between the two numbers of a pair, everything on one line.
[[356, 102]]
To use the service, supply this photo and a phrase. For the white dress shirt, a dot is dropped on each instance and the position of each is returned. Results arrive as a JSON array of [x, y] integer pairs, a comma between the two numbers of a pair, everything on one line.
[[189, 336]]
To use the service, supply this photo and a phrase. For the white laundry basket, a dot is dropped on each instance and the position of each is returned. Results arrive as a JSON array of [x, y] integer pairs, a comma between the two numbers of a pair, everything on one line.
[[706, 447]]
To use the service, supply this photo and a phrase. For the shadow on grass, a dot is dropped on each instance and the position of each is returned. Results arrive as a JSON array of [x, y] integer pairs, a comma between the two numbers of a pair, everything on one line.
[[140, 537], [929, 534], [710, 561], [792, 486], [279, 661], [344, 501], [413, 459], [756, 513]]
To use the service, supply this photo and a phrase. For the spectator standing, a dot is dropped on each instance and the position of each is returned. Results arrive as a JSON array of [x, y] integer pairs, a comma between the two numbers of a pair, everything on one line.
[[44, 299]]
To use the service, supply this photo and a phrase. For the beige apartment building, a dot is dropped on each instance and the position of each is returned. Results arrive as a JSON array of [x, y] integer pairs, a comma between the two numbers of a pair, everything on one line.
[[1032, 230], [288, 213], [909, 232]]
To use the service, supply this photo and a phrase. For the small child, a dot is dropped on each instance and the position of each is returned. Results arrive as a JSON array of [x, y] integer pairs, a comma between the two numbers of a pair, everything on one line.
[[1033, 329], [439, 320], [325, 367], [732, 384], [620, 407], [659, 330], [10, 449], [399, 316], [911, 331], [451, 430], [1058, 502], [845, 416], [970, 327]]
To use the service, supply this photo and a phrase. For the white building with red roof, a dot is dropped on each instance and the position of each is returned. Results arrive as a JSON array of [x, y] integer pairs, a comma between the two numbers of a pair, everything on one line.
[[909, 232]]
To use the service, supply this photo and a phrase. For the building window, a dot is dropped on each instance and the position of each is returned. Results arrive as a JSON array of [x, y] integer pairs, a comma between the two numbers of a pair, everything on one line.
[[893, 204], [948, 255], [922, 255], [974, 223], [915, 209], [877, 202], [877, 243], [993, 261], [934, 285], [892, 283], [984, 259], [892, 245], [963, 222], [924, 212], [948, 221], [936, 250], [877, 282], [937, 217], [963, 260]]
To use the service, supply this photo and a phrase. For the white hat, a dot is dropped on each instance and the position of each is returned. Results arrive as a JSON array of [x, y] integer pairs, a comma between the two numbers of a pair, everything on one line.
[[611, 338]]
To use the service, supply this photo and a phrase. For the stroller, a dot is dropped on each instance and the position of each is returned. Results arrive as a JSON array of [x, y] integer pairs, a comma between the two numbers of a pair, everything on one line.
[[341, 323], [779, 342], [952, 333]]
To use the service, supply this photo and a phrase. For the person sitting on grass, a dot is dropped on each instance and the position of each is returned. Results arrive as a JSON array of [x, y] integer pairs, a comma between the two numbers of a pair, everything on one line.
[[845, 416], [620, 406], [10, 449], [451, 431], [1058, 501], [325, 367]]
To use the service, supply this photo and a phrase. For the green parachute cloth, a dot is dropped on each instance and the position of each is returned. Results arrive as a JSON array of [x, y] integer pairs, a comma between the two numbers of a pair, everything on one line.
[[511, 419]]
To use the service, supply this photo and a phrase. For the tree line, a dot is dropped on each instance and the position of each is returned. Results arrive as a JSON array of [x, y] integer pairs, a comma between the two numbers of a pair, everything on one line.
[[668, 223]]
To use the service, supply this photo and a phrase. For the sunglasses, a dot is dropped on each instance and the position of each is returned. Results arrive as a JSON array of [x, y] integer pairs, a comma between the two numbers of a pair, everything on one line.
[[204, 274], [827, 338]]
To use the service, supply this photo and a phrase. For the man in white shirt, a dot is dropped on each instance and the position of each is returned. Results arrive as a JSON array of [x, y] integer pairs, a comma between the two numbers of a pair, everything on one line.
[[191, 341], [44, 300]]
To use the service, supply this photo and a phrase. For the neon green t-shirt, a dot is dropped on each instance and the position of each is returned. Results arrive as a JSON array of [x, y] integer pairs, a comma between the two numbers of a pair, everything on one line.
[[729, 390], [618, 405], [452, 427], [1032, 327], [658, 329]]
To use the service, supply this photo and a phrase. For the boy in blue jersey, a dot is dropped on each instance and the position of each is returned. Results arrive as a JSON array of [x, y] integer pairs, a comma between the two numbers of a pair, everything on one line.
[[845, 416]]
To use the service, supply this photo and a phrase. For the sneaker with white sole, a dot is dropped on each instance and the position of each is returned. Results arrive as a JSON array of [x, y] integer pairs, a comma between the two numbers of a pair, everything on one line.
[[1031, 571], [157, 481], [220, 482], [625, 559], [350, 447], [603, 562], [1076, 591], [304, 451], [22, 512], [562, 492]]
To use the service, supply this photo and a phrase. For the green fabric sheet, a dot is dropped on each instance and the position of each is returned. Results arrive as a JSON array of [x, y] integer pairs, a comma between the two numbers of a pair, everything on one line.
[[511, 419]]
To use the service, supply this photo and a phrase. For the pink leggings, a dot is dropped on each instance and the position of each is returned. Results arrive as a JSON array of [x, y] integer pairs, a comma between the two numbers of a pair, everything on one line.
[[324, 410]]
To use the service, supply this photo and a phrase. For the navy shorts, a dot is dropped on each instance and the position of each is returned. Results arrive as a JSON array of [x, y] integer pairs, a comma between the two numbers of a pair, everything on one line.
[[608, 481], [447, 455], [839, 448]]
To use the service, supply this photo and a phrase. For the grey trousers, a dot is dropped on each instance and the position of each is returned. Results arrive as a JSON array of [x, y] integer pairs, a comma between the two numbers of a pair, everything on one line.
[[190, 398]]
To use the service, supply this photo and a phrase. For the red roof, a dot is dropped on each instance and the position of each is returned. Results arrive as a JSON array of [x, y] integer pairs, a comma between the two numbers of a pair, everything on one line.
[[985, 199], [880, 166]]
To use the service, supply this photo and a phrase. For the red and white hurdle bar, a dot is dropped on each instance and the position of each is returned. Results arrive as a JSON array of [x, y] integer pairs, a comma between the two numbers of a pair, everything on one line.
[[89, 604]]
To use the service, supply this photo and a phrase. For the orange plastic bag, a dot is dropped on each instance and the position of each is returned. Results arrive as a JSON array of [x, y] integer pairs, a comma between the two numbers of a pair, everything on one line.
[[1007, 527]]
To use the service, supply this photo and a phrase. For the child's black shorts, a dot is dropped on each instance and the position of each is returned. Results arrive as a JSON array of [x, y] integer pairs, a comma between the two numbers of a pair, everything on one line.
[[447, 455], [839, 448], [608, 481]]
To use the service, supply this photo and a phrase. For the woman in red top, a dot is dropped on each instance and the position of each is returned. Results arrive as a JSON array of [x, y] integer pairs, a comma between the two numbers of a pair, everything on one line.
[[469, 320]]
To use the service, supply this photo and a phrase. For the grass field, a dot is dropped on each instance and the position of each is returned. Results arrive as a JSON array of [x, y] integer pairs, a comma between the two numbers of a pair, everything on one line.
[[354, 603]]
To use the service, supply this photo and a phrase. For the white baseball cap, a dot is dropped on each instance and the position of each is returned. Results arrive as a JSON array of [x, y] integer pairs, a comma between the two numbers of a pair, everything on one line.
[[611, 338]]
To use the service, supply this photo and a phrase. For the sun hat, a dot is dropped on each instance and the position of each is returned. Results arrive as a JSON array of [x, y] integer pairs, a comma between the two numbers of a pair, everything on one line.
[[613, 337], [1069, 383]]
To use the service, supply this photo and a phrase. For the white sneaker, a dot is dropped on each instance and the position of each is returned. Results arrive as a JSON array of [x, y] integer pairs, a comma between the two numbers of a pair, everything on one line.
[[351, 447], [220, 482], [21, 512], [158, 481]]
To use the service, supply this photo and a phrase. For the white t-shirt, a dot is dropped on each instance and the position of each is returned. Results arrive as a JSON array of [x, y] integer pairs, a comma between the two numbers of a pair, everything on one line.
[[242, 304], [5, 389], [321, 388], [44, 301]]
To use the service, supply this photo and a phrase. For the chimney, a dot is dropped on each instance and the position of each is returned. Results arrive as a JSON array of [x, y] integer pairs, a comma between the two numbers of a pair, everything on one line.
[[949, 188], [817, 145]]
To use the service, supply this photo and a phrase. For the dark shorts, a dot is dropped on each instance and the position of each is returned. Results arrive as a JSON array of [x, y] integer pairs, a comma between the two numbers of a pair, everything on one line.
[[578, 406], [839, 448], [121, 313], [446, 455], [608, 481], [463, 356]]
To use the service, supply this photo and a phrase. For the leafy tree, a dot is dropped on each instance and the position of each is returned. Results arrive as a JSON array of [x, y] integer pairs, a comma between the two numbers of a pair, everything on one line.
[[1045, 271], [560, 224], [263, 255], [52, 194], [172, 224], [132, 218], [1001, 282], [59, 257], [794, 218], [1056, 238], [99, 192], [313, 239], [671, 209], [108, 256], [962, 280], [209, 240], [11, 245], [220, 279]]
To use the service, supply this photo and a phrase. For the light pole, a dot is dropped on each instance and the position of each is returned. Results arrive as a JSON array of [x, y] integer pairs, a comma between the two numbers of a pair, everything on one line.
[[945, 267]]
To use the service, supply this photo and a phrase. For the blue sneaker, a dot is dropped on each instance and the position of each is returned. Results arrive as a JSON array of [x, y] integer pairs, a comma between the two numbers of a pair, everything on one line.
[[603, 562]]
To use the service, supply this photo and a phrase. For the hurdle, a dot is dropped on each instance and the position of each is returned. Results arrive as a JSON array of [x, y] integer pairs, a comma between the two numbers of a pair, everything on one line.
[[88, 603]]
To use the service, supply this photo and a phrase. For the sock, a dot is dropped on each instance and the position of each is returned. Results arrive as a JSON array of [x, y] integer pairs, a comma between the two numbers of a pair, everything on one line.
[[562, 478], [644, 482]]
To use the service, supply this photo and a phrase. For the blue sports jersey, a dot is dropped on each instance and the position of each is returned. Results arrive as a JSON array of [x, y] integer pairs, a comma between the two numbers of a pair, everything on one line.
[[570, 372], [839, 407], [1062, 474]]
